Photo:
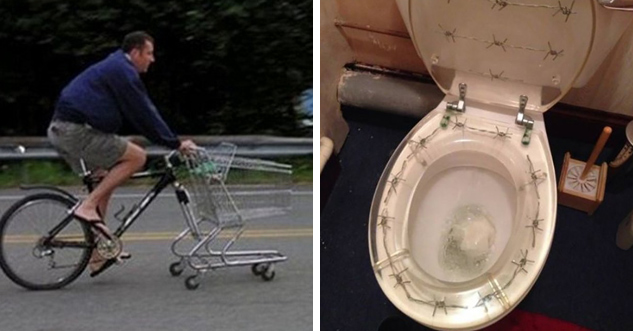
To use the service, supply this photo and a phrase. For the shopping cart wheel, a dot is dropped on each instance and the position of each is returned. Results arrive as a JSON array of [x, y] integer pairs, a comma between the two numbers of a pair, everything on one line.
[[269, 273], [176, 268], [191, 283], [259, 268]]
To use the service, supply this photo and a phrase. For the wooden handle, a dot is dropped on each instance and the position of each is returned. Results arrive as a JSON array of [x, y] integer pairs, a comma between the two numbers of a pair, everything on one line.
[[604, 136]]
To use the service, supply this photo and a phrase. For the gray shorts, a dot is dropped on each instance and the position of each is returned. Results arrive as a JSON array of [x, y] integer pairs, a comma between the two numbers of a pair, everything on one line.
[[81, 141]]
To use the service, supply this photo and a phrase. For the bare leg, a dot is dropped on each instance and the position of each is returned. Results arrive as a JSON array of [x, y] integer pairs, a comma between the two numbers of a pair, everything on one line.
[[103, 205], [132, 160]]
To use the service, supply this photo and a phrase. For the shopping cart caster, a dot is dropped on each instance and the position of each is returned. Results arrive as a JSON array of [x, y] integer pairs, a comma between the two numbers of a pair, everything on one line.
[[191, 283], [269, 273], [259, 268], [176, 268]]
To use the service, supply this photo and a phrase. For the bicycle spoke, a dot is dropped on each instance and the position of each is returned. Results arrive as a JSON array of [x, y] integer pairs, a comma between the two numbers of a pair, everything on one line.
[[33, 259]]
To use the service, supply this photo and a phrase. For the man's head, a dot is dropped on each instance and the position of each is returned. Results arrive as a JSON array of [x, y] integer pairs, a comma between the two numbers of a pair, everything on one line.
[[140, 47]]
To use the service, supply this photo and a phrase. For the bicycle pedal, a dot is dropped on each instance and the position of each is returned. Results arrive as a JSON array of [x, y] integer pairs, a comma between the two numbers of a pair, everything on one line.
[[109, 249]]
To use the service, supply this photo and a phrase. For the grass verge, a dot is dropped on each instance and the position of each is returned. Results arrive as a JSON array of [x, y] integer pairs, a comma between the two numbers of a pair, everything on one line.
[[56, 172]]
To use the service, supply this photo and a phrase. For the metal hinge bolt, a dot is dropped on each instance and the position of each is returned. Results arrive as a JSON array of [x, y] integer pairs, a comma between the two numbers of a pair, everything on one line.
[[524, 120], [458, 106]]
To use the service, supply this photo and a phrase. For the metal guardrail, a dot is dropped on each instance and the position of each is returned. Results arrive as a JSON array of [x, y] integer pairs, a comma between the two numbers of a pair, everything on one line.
[[23, 148]]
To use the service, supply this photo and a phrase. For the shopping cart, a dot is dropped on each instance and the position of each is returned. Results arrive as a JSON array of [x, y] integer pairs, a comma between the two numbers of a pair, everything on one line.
[[223, 192]]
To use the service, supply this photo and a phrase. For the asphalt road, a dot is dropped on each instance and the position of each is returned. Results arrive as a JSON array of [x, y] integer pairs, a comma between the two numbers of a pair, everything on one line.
[[142, 295]]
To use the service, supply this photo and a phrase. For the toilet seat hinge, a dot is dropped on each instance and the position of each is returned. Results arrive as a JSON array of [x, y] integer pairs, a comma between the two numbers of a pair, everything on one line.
[[458, 106], [524, 120]]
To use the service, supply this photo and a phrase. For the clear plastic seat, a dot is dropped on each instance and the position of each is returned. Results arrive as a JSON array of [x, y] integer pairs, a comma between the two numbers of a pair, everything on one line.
[[462, 220]]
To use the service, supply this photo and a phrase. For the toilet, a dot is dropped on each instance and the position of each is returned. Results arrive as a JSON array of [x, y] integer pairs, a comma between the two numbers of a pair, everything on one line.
[[463, 216]]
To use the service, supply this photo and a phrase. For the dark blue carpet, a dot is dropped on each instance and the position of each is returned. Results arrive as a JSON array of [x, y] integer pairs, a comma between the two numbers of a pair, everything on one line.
[[587, 279]]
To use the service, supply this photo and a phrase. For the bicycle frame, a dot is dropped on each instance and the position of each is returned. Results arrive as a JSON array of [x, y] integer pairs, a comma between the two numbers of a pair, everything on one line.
[[166, 177]]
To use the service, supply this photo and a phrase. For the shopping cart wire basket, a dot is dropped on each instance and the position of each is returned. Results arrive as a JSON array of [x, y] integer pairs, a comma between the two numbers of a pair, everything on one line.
[[223, 193]]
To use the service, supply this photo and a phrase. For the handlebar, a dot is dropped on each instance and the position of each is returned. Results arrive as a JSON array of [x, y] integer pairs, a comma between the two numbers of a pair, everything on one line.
[[174, 158]]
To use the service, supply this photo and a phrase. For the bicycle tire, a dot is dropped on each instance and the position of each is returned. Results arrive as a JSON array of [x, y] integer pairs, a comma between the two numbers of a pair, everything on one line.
[[36, 277]]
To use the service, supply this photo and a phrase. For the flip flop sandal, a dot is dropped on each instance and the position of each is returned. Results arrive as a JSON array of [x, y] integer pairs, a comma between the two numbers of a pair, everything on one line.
[[96, 264], [107, 263], [98, 226], [123, 255], [103, 267], [108, 246]]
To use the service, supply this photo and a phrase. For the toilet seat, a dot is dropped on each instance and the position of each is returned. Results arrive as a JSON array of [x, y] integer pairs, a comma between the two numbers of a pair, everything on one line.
[[463, 216], [503, 49], [401, 234]]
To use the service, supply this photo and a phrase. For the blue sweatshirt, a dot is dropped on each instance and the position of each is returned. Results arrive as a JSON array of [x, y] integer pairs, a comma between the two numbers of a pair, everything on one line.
[[109, 91]]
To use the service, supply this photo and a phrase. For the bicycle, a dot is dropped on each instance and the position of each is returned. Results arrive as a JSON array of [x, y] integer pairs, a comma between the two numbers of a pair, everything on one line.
[[43, 247]]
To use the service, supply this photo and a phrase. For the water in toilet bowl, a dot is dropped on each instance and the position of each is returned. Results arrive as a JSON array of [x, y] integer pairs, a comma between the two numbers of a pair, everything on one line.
[[461, 215], [468, 241]]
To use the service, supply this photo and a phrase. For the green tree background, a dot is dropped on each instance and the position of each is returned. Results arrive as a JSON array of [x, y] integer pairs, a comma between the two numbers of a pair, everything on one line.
[[222, 66]]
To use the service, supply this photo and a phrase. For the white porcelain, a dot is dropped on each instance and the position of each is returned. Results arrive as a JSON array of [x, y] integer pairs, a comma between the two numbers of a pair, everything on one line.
[[433, 173], [463, 216]]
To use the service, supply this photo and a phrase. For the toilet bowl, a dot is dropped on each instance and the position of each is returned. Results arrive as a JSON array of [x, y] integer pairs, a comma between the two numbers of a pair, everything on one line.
[[463, 216]]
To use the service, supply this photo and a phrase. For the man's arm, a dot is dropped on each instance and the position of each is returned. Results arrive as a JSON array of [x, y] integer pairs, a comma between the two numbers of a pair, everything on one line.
[[137, 108]]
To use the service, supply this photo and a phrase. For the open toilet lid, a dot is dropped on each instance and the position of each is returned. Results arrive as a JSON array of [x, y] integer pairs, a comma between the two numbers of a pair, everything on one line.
[[502, 49], [416, 287]]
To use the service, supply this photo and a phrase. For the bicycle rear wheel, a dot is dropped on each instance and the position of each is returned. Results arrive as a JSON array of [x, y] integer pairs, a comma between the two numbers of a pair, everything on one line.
[[30, 256]]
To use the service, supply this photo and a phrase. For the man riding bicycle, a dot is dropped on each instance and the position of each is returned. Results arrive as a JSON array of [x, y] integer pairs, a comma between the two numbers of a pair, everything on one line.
[[89, 113]]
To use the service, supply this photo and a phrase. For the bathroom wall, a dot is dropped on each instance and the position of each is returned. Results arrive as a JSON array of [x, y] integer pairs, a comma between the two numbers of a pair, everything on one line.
[[611, 87], [376, 35], [335, 53]]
